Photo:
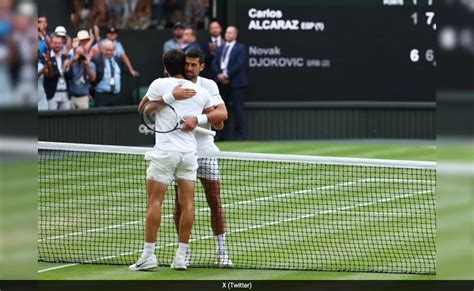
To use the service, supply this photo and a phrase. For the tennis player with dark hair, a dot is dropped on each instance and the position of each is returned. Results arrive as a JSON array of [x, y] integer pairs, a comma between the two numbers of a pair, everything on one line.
[[173, 158], [208, 171]]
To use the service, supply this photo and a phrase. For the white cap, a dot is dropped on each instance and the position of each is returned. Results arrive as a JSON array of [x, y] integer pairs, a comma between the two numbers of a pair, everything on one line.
[[60, 30], [83, 34]]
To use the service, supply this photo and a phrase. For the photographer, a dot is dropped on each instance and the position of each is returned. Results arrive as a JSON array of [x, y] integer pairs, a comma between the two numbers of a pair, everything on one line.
[[81, 73]]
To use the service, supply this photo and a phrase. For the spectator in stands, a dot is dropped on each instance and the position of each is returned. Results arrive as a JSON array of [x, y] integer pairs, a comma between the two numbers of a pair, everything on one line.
[[230, 63], [189, 39], [25, 37], [43, 37], [61, 32], [157, 15], [172, 11], [119, 52], [44, 69], [84, 39], [141, 15], [108, 82], [81, 14], [210, 46], [55, 84], [80, 73], [117, 10], [177, 41], [6, 52], [196, 12], [98, 15]]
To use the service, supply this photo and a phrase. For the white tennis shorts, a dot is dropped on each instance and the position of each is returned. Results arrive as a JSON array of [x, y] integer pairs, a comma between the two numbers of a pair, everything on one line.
[[208, 169], [166, 166]]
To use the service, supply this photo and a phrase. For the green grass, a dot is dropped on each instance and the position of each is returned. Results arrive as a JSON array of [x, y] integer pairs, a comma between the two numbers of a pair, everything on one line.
[[73, 219]]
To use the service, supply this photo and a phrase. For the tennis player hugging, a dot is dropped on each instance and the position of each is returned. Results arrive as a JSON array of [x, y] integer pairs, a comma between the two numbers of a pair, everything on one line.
[[179, 107]]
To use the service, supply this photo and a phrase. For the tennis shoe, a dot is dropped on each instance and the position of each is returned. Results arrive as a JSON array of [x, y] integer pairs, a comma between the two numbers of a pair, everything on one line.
[[188, 257], [179, 262], [223, 260], [144, 263]]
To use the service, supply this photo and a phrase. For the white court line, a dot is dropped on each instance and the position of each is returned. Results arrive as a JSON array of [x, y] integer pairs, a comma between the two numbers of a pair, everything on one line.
[[207, 209], [251, 201], [257, 226], [56, 268]]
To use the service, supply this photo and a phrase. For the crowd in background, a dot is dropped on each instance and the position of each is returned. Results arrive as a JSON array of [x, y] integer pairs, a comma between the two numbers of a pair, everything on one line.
[[85, 70], [139, 14], [17, 54], [225, 62], [81, 71]]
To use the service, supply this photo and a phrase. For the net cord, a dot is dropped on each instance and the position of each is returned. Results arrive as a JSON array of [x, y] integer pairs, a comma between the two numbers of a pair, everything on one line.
[[244, 156]]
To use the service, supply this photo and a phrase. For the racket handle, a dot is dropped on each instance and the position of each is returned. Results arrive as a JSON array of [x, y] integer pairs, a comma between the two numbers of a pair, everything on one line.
[[205, 131]]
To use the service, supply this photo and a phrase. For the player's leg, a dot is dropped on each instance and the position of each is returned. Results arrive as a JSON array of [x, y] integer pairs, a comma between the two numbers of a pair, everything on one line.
[[156, 192], [186, 220], [176, 217], [185, 175], [158, 177], [177, 209], [185, 199], [212, 190], [208, 173]]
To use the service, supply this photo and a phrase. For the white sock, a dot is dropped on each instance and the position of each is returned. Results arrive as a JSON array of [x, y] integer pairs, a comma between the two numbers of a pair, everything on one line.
[[182, 248], [148, 249], [220, 241]]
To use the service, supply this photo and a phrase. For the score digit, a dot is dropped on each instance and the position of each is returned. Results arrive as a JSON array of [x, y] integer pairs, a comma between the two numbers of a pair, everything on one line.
[[429, 17], [415, 18], [414, 55], [429, 55]]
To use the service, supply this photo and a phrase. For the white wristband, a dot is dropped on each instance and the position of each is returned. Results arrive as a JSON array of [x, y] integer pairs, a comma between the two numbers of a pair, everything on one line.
[[202, 119], [168, 98]]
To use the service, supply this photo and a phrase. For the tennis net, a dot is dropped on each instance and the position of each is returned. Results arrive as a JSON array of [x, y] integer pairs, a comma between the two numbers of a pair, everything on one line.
[[281, 211]]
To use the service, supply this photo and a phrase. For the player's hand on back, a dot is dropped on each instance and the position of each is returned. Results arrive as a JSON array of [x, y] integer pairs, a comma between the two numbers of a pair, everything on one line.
[[181, 93], [189, 123]]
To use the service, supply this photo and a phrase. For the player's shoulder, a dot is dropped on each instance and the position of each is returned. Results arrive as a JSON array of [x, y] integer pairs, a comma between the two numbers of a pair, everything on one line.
[[162, 81], [209, 84], [158, 80], [158, 85], [206, 81]]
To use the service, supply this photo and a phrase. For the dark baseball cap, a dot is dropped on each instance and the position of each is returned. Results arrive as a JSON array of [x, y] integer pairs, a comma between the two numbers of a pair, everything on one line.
[[178, 25], [110, 30]]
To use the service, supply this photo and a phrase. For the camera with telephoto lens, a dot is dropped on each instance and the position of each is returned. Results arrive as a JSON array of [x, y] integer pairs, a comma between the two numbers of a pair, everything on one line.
[[81, 58]]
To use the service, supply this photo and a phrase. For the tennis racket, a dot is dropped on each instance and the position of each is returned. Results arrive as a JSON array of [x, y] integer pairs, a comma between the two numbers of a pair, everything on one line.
[[163, 118]]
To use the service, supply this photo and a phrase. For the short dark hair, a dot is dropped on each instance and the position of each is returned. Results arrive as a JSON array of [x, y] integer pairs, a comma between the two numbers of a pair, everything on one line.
[[174, 61], [194, 53], [214, 20]]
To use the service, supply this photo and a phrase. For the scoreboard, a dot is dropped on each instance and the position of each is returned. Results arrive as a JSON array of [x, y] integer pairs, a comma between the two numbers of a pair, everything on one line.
[[339, 50]]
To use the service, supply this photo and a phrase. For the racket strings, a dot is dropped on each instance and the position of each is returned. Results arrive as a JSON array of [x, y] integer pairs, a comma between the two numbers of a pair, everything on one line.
[[161, 118]]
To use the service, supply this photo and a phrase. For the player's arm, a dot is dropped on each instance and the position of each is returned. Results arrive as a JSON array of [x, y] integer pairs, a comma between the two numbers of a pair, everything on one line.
[[219, 124], [142, 104], [216, 115], [178, 93], [210, 115]]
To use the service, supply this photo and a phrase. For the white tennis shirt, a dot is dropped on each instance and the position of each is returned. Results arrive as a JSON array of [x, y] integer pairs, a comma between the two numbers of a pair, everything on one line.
[[178, 140], [205, 142]]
